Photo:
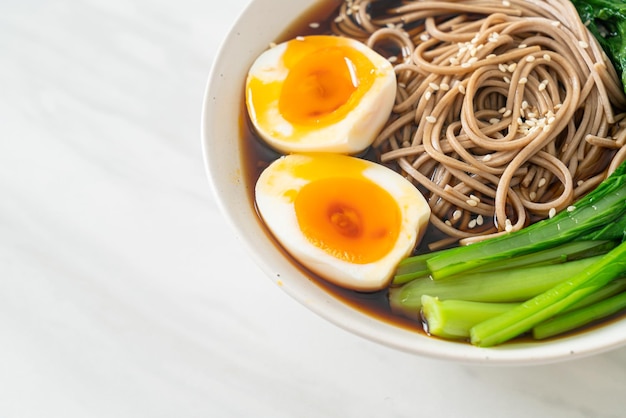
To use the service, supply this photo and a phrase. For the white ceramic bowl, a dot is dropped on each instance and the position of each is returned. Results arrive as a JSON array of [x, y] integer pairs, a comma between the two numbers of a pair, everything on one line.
[[260, 23]]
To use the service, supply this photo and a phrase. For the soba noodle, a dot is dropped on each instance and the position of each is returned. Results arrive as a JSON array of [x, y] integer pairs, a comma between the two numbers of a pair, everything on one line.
[[506, 111]]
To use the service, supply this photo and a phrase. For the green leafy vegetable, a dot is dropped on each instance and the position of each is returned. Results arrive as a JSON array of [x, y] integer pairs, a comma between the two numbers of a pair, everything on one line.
[[606, 20], [548, 278]]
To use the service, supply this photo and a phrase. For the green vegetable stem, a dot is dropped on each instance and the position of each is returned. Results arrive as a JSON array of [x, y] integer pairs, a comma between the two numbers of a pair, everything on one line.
[[576, 318], [559, 274], [515, 285], [524, 317], [453, 319]]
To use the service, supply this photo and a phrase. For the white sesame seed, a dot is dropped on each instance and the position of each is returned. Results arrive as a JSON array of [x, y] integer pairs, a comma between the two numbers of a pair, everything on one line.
[[523, 80], [487, 157], [546, 57], [525, 105], [472, 60], [507, 113], [580, 183], [299, 38], [465, 65], [424, 37], [507, 80], [461, 88], [502, 67], [428, 95], [490, 56], [471, 224], [456, 215], [551, 212], [479, 220], [556, 23], [583, 44], [508, 227], [314, 25], [444, 86], [475, 198], [471, 202], [530, 58], [447, 222], [339, 19], [533, 195], [571, 208], [433, 86], [512, 67], [506, 3], [493, 121], [454, 61], [431, 119], [392, 59], [522, 46], [502, 110]]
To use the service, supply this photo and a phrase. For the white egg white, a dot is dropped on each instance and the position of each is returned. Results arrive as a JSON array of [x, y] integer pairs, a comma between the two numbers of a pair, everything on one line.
[[277, 182], [350, 135]]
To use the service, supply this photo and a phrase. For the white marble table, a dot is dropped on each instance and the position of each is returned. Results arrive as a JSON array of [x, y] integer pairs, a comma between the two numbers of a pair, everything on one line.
[[123, 292]]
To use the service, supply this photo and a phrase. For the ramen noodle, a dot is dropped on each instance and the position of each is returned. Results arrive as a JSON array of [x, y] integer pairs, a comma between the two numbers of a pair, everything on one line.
[[506, 111]]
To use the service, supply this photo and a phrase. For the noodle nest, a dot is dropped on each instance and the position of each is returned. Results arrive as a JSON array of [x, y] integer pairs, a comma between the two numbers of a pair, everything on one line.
[[506, 111]]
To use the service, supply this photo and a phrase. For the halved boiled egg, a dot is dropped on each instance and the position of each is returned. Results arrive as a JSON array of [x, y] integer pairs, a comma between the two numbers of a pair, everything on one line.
[[320, 93], [348, 220]]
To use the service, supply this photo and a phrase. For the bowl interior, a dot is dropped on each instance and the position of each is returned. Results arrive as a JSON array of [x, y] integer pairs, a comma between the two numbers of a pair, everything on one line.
[[222, 120]]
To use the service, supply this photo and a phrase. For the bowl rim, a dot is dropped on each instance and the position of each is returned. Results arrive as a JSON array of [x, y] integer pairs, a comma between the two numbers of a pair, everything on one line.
[[220, 117]]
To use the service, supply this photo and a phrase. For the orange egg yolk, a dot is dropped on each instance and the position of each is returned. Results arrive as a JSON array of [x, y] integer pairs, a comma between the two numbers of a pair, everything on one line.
[[352, 219], [326, 78], [318, 85]]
